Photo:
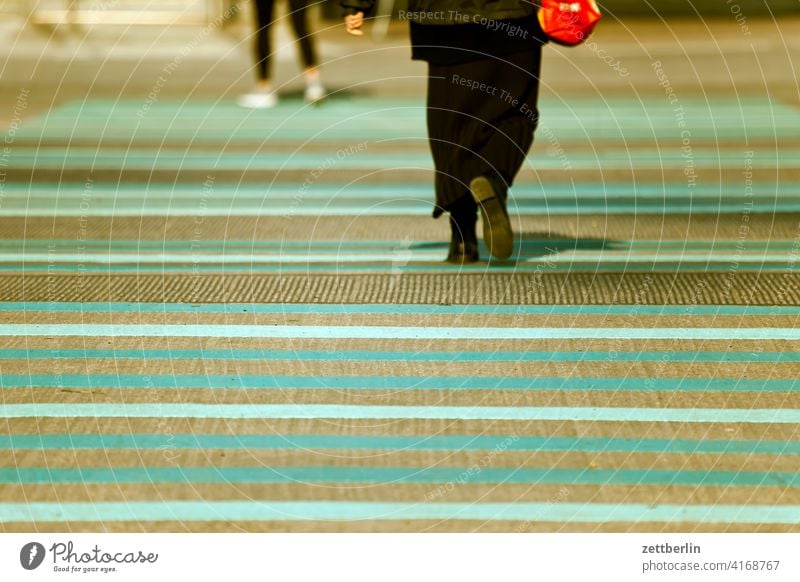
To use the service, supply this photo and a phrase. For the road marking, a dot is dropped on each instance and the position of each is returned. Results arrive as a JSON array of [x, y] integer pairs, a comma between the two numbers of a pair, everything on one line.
[[339, 412]]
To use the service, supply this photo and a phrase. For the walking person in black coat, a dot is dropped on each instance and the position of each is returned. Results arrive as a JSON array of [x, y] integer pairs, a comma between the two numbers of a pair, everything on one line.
[[483, 86]]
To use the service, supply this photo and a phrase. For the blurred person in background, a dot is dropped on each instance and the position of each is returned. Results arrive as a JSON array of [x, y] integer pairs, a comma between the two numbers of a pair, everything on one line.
[[483, 84], [264, 96]]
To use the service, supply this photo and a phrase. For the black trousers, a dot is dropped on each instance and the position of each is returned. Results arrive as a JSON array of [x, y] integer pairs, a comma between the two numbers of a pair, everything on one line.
[[481, 118], [264, 11]]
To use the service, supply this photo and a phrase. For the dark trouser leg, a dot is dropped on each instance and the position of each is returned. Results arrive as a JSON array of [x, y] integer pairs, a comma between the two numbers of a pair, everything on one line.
[[510, 133], [463, 238], [481, 133], [301, 31], [443, 119], [452, 195], [263, 46]]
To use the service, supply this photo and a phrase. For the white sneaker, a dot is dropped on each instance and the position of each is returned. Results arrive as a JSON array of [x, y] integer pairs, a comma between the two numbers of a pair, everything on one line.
[[258, 100], [314, 92]]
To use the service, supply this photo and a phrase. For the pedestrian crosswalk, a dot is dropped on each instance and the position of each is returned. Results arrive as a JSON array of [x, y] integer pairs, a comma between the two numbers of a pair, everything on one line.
[[214, 319]]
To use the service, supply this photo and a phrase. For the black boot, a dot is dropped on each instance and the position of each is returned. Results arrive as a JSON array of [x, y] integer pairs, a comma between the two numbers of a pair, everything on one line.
[[490, 194], [463, 239]]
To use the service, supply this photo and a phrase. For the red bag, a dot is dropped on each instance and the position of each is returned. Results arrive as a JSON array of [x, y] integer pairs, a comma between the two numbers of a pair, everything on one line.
[[568, 22]]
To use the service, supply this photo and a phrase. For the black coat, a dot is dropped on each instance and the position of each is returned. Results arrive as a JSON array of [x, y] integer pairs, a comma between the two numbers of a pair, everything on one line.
[[447, 12]]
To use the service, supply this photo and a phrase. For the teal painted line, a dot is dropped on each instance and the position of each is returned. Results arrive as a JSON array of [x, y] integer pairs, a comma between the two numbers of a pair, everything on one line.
[[234, 259], [650, 192], [223, 122], [398, 309], [665, 356], [402, 115], [324, 411], [294, 247], [343, 257], [414, 133], [180, 511], [334, 246], [169, 158], [375, 127], [376, 130], [385, 115], [411, 207], [393, 332], [786, 266], [211, 382], [737, 106], [392, 209], [395, 443], [113, 122], [397, 475], [373, 115]]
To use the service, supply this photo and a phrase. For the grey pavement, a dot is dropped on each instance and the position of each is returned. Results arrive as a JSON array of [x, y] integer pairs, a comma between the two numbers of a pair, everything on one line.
[[715, 56], [215, 319]]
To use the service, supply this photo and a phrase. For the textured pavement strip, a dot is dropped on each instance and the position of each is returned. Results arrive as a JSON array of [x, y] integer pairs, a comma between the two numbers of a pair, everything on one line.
[[34, 308], [596, 489], [733, 287]]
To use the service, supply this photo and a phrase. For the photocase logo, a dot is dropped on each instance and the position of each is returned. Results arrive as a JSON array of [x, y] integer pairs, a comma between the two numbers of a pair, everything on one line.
[[32, 555]]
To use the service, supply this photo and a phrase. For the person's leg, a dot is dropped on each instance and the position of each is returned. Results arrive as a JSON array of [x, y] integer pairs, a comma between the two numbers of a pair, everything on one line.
[[299, 17], [263, 45], [452, 194], [463, 237], [512, 132], [263, 96], [502, 139]]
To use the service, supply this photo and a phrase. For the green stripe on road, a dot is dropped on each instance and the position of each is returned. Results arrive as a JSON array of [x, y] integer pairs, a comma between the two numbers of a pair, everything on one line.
[[664, 356], [394, 443], [234, 382], [395, 332], [324, 411], [359, 511], [431, 475]]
